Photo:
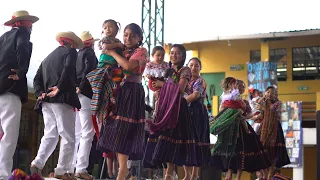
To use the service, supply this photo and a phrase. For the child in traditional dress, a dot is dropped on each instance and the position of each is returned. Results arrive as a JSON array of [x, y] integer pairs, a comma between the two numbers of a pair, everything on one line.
[[156, 69], [106, 79], [109, 41], [232, 98], [255, 96], [233, 144]]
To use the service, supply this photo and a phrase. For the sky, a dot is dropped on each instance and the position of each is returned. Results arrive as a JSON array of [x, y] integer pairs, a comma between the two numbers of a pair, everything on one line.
[[185, 20]]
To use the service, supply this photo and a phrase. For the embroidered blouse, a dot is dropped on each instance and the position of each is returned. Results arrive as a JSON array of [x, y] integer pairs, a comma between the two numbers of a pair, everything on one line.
[[109, 40], [138, 55], [184, 72], [156, 70], [198, 85], [234, 95]]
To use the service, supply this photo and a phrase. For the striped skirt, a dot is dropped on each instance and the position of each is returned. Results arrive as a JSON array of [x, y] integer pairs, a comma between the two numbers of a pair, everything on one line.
[[123, 132], [180, 145], [102, 88]]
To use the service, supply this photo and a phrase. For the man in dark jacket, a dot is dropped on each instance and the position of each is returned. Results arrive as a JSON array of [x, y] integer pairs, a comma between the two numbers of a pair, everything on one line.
[[84, 131], [15, 54], [55, 86]]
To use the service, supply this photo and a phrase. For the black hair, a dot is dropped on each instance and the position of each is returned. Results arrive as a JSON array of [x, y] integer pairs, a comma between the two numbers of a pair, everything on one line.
[[226, 82], [117, 24], [271, 87], [197, 59], [169, 71], [253, 92], [157, 48], [136, 30]]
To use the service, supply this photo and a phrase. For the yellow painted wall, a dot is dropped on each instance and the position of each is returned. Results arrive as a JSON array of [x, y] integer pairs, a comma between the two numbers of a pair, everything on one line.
[[217, 56]]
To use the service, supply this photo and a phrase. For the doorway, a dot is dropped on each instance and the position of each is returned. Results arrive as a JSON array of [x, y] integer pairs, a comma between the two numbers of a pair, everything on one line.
[[213, 81]]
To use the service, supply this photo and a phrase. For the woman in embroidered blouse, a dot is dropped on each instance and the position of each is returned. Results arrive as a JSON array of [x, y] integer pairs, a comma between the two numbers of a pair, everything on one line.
[[123, 131], [199, 115], [236, 150], [271, 133], [173, 138]]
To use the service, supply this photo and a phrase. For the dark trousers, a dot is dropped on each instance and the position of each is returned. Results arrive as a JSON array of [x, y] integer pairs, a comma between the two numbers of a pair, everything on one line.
[[95, 157]]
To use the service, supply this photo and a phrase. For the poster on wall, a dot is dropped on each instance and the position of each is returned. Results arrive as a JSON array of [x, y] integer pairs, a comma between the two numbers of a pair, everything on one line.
[[261, 75], [291, 124]]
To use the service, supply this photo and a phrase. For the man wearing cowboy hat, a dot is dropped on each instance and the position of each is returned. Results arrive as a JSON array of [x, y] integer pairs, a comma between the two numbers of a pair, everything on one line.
[[55, 86], [15, 54], [86, 62]]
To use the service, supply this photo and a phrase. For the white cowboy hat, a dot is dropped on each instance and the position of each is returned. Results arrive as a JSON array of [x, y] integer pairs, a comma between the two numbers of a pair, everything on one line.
[[86, 37], [72, 36], [21, 16]]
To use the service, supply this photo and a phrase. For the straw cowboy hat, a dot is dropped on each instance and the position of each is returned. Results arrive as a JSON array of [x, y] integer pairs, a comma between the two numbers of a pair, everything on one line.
[[21, 16], [72, 36], [86, 37]]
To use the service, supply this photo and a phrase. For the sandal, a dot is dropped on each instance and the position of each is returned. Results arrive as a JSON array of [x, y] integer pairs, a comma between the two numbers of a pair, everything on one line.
[[130, 177], [84, 175], [65, 176], [111, 175]]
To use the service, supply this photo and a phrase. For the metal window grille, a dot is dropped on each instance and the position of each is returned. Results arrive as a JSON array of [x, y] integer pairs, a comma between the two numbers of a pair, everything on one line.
[[305, 63], [280, 57]]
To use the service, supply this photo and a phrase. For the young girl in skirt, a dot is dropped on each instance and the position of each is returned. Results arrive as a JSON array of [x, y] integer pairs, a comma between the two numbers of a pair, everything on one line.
[[123, 131], [156, 69], [271, 133], [257, 113], [173, 138], [235, 150], [199, 115]]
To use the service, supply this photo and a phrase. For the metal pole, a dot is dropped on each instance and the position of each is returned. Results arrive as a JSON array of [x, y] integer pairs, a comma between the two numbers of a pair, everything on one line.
[[103, 166]]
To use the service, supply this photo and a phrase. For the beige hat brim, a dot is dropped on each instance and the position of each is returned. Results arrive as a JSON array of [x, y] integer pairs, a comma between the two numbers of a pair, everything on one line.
[[91, 41], [33, 19], [73, 37]]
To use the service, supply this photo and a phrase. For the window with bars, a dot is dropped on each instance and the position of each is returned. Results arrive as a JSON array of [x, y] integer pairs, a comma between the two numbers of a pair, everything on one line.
[[305, 63], [276, 55], [279, 56], [255, 56]]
